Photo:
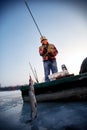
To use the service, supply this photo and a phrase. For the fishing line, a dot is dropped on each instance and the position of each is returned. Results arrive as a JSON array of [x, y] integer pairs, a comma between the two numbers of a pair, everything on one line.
[[32, 17]]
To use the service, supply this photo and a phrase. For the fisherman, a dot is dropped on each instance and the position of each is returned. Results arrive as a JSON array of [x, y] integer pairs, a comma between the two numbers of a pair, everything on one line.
[[32, 99], [48, 52]]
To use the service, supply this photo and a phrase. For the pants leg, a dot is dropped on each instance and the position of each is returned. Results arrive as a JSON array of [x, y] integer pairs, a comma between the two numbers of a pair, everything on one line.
[[54, 66], [46, 70]]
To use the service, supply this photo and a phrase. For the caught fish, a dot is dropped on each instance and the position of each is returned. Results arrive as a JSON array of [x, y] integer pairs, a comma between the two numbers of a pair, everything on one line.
[[32, 98]]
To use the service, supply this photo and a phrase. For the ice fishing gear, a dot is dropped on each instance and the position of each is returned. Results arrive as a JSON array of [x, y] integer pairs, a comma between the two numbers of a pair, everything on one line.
[[34, 73], [32, 17]]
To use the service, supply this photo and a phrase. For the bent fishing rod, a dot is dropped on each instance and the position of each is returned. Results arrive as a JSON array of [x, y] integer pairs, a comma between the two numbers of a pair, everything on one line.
[[27, 5]]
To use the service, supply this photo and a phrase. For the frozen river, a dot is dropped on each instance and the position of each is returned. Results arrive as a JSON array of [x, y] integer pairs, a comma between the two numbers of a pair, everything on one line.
[[51, 116]]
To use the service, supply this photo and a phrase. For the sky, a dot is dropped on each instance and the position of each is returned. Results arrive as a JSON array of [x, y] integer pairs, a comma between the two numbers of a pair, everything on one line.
[[64, 23]]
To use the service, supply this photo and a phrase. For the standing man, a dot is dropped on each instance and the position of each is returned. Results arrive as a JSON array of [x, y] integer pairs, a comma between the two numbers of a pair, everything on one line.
[[48, 52]]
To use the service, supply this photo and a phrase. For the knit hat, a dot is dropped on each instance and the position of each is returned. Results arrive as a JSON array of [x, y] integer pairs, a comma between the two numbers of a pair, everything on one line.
[[43, 38]]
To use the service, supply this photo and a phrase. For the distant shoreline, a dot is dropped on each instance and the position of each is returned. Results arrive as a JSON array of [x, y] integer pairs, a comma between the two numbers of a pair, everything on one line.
[[10, 88]]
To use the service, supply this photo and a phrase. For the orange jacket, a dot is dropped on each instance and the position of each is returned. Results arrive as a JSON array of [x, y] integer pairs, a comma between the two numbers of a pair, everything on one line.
[[48, 52]]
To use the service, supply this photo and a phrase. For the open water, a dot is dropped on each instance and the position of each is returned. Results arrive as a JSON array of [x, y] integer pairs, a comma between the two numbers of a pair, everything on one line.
[[51, 116]]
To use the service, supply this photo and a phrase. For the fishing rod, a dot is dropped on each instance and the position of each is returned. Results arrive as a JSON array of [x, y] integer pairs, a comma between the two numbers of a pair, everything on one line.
[[34, 73], [32, 17]]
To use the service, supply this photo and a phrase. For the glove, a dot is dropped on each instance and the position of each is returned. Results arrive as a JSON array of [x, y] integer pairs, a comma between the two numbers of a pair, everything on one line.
[[45, 47], [45, 50]]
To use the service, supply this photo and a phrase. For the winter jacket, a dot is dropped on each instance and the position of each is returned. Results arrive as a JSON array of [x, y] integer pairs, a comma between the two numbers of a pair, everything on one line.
[[48, 52]]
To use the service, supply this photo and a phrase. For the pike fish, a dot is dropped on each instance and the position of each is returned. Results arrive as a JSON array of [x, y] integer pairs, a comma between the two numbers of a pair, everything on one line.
[[32, 99]]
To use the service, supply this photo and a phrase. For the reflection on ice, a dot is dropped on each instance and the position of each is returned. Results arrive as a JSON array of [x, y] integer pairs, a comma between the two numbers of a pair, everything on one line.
[[57, 116]]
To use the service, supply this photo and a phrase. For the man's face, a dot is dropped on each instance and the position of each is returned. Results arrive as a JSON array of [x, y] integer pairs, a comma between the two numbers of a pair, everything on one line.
[[44, 41]]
